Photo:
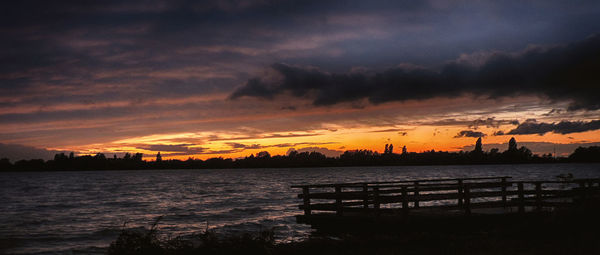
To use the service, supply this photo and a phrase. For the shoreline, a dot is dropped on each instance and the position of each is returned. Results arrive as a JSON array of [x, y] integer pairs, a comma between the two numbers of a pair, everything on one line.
[[572, 232]]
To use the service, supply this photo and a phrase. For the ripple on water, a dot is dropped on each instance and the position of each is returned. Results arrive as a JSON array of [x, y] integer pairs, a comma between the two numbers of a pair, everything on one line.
[[82, 212]]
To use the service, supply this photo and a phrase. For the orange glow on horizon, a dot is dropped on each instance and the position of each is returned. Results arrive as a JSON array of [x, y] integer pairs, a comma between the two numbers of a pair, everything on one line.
[[204, 145]]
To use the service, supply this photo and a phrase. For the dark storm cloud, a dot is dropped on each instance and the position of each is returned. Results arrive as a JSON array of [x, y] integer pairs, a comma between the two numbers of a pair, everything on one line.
[[563, 127], [567, 72], [469, 133]]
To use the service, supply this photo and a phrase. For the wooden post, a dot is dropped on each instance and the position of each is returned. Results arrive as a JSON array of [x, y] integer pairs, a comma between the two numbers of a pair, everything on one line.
[[376, 199], [366, 197], [504, 191], [521, 198], [404, 201], [306, 198], [338, 200], [460, 192], [538, 196], [467, 200], [582, 191], [416, 194]]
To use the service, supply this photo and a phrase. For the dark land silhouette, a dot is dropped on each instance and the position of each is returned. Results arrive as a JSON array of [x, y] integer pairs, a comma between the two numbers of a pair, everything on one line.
[[560, 234], [512, 155]]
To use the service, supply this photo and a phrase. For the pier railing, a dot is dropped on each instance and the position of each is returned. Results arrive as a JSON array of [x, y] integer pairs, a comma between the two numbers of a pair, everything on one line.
[[460, 195]]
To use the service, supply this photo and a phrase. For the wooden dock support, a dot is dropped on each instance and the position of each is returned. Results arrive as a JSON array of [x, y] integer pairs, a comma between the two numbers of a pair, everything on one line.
[[365, 197], [376, 202], [460, 192], [416, 193], [306, 199], [521, 195], [582, 193], [467, 200], [365, 200], [404, 201], [504, 191], [339, 210], [538, 196]]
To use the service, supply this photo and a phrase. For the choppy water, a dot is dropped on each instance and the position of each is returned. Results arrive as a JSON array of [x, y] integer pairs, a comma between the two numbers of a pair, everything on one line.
[[82, 212]]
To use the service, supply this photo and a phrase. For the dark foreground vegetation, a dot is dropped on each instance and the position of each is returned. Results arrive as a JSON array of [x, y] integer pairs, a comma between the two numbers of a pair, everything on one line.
[[512, 155], [557, 233]]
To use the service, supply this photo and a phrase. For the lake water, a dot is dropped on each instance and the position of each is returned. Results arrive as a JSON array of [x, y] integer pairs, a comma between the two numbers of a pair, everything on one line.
[[82, 212]]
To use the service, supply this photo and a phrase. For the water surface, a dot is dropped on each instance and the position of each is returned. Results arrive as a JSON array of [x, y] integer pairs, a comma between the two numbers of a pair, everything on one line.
[[82, 212]]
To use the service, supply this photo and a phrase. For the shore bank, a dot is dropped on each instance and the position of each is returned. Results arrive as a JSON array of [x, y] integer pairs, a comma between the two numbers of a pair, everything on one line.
[[558, 233]]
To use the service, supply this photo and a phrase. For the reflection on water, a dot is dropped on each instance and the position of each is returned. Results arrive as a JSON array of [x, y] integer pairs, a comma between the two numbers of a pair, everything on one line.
[[55, 212]]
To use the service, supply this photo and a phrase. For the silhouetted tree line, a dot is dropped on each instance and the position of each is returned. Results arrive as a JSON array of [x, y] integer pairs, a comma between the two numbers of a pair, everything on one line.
[[512, 155]]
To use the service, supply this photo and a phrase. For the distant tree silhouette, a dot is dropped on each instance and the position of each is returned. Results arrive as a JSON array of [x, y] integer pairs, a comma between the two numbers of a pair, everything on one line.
[[514, 155], [137, 157], [263, 154], [477, 155], [60, 157], [304, 159], [5, 164], [478, 146], [386, 149], [512, 144], [589, 154]]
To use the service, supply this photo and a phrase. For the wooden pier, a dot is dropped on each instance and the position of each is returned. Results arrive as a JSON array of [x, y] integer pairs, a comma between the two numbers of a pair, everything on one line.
[[433, 199]]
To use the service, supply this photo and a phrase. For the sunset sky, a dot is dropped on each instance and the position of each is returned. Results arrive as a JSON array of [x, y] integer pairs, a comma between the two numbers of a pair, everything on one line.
[[232, 78]]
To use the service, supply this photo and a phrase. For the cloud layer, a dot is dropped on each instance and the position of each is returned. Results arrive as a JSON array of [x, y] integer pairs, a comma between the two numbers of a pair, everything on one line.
[[564, 73], [563, 127], [469, 133]]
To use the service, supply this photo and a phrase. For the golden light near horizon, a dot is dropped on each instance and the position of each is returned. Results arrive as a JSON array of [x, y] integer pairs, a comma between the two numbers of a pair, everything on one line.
[[204, 145]]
